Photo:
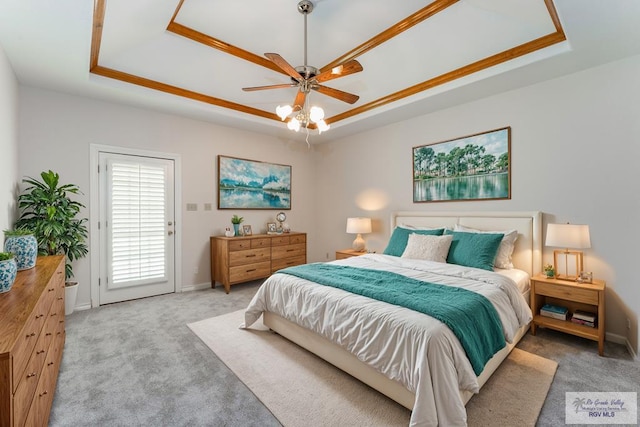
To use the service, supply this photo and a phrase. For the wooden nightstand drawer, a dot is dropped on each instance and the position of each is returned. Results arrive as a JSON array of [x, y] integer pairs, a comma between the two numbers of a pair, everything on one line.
[[586, 296]]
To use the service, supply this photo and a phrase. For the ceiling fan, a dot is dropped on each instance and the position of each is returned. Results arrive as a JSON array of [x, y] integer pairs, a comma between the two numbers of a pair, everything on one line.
[[308, 78]]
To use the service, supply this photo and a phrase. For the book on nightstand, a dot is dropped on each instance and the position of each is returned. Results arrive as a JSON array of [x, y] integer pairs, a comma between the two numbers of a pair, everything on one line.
[[584, 318], [583, 322], [554, 311]]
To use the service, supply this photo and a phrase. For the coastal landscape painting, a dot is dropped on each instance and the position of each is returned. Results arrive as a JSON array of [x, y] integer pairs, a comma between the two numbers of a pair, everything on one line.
[[251, 184], [474, 167]]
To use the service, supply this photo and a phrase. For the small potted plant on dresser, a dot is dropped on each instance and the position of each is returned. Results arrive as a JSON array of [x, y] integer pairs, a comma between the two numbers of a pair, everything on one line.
[[8, 270], [236, 221], [48, 210], [549, 271]]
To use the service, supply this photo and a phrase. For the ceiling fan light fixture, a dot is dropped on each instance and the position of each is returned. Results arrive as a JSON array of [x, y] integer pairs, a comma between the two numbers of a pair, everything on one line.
[[294, 124], [283, 111], [316, 114], [322, 126]]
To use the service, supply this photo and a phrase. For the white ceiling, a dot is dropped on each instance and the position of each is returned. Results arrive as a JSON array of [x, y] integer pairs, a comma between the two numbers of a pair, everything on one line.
[[49, 45]]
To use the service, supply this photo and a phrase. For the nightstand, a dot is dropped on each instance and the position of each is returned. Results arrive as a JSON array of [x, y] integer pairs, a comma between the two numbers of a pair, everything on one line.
[[574, 296], [348, 253]]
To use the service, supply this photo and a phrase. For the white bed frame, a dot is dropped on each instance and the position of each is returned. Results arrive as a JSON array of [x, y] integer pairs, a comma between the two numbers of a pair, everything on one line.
[[527, 256]]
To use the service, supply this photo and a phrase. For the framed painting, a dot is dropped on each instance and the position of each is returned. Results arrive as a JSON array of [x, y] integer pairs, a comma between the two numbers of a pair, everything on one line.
[[250, 184], [474, 167]]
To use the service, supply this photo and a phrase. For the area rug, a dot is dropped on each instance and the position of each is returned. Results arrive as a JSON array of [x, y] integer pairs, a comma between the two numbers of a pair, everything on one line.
[[299, 388]]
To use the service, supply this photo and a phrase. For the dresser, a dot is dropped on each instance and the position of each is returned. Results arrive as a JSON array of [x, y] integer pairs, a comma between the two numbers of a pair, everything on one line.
[[242, 259], [32, 336]]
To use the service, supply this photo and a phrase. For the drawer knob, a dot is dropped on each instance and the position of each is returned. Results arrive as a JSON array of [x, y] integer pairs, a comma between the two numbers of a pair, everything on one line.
[[251, 256], [51, 289], [48, 334], [39, 352], [59, 298], [39, 316], [32, 334], [249, 271], [32, 374], [50, 363], [43, 393]]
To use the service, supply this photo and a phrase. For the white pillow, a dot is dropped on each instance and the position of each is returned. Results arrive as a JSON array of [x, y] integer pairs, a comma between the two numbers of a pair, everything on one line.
[[506, 248], [427, 247]]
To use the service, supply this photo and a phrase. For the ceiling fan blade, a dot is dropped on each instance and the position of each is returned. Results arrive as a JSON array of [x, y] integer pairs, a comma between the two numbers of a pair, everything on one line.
[[284, 65], [298, 104], [281, 86], [349, 67], [338, 94]]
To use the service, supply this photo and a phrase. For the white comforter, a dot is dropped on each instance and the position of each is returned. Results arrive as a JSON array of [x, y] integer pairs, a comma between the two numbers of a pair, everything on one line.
[[417, 350]]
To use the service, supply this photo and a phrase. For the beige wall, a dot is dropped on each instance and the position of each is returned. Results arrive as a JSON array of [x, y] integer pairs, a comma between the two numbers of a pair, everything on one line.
[[575, 149], [57, 131], [8, 144]]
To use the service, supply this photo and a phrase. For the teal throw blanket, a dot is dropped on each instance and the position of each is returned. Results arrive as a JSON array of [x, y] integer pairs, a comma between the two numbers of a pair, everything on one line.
[[469, 315]]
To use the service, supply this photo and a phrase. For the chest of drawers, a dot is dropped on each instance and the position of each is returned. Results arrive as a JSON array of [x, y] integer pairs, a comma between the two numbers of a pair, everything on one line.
[[242, 259], [32, 338]]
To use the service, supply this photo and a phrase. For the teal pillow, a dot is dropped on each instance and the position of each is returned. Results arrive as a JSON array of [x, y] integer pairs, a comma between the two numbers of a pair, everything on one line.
[[400, 236], [477, 250]]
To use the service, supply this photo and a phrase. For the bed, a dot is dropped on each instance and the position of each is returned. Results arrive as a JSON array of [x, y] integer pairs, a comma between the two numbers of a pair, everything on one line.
[[408, 356]]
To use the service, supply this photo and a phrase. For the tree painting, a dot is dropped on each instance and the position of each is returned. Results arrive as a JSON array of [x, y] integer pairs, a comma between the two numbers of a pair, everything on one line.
[[249, 184], [474, 167]]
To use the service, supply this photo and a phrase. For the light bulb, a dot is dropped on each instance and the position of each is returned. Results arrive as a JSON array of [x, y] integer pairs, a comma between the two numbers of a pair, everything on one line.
[[322, 126], [283, 111], [316, 114], [294, 124]]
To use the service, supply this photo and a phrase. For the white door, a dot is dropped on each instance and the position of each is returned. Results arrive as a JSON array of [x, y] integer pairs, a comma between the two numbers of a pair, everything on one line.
[[137, 211]]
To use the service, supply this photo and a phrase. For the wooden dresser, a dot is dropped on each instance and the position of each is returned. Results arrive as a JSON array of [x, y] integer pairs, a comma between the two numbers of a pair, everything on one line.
[[32, 338], [242, 259]]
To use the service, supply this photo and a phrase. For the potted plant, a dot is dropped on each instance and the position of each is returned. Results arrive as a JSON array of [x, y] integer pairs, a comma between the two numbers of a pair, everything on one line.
[[236, 220], [23, 244], [48, 210], [8, 270], [549, 271]]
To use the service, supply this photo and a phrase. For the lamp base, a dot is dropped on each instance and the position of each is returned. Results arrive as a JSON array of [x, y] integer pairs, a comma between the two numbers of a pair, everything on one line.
[[577, 255], [358, 244]]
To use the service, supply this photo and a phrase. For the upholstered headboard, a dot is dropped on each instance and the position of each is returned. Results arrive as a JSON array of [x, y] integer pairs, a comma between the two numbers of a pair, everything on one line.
[[527, 255]]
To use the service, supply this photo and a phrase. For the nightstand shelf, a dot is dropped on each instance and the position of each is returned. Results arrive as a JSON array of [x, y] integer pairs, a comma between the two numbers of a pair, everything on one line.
[[575, 296]]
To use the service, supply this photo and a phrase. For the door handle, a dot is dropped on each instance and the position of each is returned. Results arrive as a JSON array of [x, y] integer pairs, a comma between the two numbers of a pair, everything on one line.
[[170, 223]]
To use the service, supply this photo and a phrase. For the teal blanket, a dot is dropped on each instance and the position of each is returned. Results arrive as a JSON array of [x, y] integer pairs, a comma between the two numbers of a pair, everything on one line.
[[470, 316]]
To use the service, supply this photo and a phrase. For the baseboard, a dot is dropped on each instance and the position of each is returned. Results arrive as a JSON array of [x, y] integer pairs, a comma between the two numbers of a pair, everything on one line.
[[619, 339], [82, 307], [196, 287]]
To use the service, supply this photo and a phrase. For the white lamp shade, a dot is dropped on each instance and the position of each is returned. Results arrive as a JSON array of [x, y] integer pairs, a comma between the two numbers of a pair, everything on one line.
[[573, 236], [283, 111], [316, 114], [294, 124], [358, 225]]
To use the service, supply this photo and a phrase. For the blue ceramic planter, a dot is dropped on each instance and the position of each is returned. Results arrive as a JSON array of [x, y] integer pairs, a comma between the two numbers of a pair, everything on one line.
[[25, 249], [8, 270]]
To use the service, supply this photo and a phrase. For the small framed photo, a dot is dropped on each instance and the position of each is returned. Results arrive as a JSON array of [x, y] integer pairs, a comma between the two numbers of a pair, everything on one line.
[[272, 228], [585, 277], [246, 230]]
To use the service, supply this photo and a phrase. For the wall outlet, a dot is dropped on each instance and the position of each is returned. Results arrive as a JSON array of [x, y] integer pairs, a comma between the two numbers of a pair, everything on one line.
[[207, 206], [192, 207]]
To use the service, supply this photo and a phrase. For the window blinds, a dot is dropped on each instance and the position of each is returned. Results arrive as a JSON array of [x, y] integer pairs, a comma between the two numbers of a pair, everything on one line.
[[137, 226]]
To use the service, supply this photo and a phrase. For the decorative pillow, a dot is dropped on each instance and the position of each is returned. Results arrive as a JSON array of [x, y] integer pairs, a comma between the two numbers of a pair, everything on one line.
[[474, 249], [398, 241], [430, 248], [507, 246]]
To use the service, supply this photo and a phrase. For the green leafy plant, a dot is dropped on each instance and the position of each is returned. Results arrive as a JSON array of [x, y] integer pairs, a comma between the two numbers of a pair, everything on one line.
[[4, 256], [17, 232], [236, 219], [548, 267], [47, 209]]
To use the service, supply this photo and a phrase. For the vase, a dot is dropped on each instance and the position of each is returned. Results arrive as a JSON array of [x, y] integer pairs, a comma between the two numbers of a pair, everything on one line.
[[550, 274], [8, 270], [236, 229], [25, 249]]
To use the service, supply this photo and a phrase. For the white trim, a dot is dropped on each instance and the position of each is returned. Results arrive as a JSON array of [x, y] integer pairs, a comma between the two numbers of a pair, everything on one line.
[[196, 287], [94, 210], [620, 339]]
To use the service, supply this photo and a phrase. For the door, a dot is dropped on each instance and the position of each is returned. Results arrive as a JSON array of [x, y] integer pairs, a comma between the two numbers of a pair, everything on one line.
[[137, 240]]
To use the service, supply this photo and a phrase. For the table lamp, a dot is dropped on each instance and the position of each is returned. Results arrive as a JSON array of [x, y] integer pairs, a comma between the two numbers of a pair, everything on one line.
[[358, 226], [568, 236]]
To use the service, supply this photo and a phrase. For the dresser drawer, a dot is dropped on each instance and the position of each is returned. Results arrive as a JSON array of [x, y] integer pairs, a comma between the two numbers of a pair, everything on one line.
[[26, 342], [248, 272], [28, 381], [249, 256], [279, 264], [260, 243], [239, 245], [586, 296], [288, 251]]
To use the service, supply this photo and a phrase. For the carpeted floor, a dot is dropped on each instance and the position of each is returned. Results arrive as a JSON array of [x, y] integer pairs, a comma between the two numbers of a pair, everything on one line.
[[137, 363]]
